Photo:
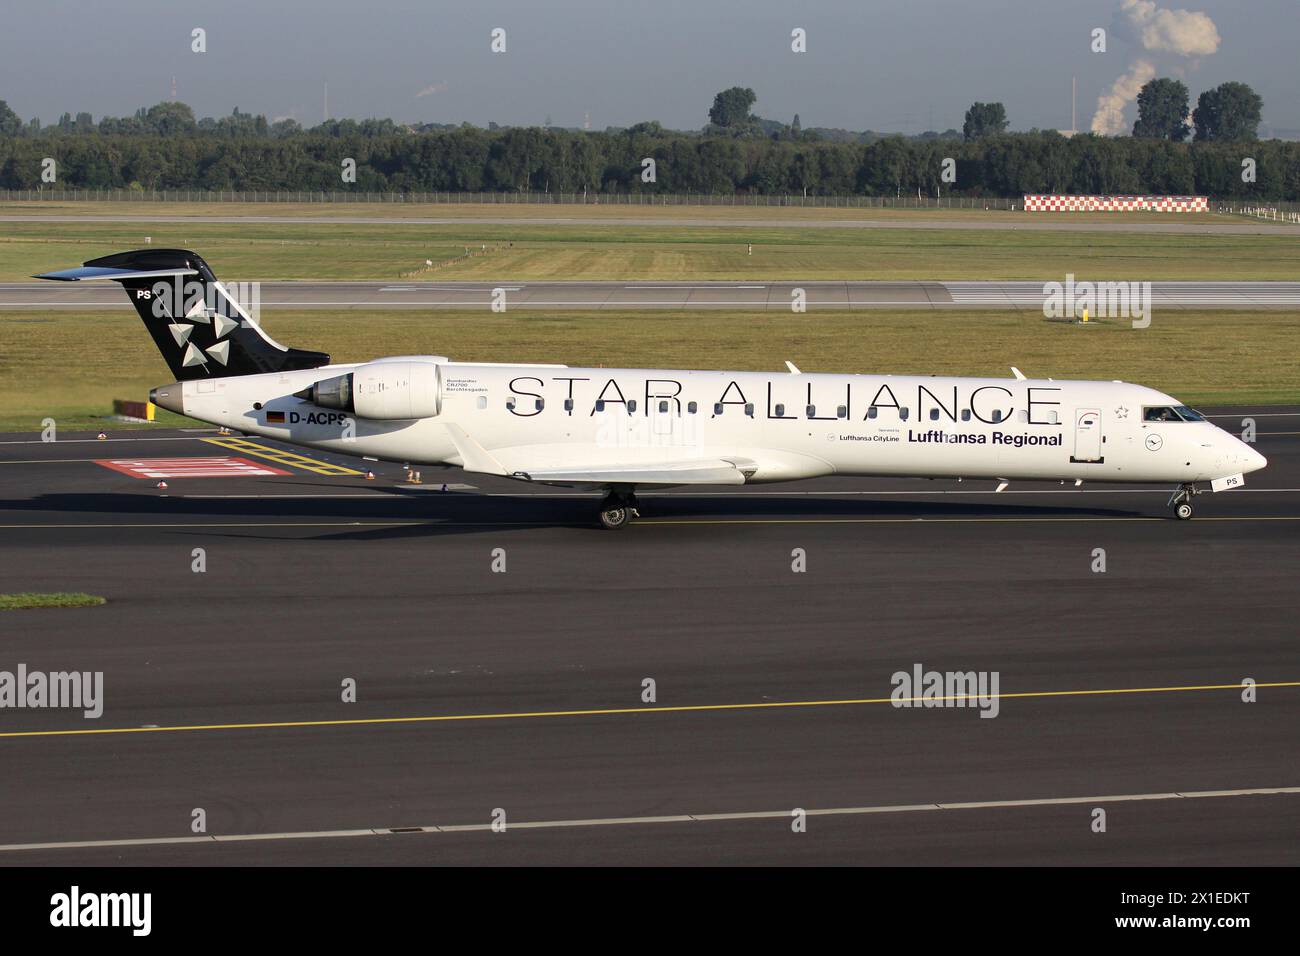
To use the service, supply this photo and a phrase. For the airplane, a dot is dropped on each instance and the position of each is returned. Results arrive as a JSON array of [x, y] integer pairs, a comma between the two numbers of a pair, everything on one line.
[[624, 430]]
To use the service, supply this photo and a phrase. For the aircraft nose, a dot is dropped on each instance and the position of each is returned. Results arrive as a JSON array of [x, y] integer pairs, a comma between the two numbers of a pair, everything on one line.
[[1254, 461], [1240, 456]]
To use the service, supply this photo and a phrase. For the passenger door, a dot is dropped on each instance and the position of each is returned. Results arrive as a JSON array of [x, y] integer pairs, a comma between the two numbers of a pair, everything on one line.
[[1087, 435]]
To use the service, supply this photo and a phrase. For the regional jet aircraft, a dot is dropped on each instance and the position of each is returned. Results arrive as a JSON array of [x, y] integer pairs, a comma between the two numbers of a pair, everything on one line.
[[621, 430]]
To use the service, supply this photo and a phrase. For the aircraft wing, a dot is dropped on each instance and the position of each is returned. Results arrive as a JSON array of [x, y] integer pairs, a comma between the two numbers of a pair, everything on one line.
[[474, 457], [715, 471]]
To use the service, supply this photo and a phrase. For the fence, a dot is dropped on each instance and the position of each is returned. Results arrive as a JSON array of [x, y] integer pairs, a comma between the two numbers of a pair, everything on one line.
[[1281, 211], [512, 198]]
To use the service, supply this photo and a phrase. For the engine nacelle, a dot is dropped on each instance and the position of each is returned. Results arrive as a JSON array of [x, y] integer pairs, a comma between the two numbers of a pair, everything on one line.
[[382, 390]]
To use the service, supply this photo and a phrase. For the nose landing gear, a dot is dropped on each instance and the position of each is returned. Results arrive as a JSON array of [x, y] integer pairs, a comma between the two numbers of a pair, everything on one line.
[[617, 510], [1181, 501]]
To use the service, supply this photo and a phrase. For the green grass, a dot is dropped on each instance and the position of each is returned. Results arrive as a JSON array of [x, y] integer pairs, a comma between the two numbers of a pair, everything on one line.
[[591, 250], [23, 601], [46, 368]]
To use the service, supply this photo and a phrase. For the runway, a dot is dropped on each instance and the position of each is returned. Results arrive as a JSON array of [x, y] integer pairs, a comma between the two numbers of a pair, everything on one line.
[[1034, 222], [520, 694], [760, 296]]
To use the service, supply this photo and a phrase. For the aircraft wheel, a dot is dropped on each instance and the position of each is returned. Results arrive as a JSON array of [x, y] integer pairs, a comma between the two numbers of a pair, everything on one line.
[[615, 513], [1183, 511]]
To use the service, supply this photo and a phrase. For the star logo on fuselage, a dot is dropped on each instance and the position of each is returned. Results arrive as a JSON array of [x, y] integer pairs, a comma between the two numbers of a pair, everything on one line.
[[1121, 412]]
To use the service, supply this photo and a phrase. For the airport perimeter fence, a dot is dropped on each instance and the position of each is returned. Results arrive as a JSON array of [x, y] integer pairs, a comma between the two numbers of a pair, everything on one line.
[[1281, 211], [503, 199]]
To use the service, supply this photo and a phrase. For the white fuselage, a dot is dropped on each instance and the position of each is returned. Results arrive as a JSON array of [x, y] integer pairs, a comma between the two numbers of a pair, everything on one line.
[[785, 426]]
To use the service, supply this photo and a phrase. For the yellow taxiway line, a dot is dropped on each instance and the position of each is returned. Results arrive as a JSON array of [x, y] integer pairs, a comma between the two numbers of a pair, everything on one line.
[[282, 457], [612, 711]]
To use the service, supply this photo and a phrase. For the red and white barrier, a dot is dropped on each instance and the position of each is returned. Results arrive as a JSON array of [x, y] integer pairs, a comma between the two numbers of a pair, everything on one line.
[[1049, 203]]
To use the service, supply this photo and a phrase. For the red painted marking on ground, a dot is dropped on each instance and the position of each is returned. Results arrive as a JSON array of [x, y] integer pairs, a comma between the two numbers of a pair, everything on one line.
[[216, 467]]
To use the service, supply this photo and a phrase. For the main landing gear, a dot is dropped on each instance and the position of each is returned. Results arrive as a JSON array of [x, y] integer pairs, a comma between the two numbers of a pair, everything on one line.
[[618, 510], [1181, 501]]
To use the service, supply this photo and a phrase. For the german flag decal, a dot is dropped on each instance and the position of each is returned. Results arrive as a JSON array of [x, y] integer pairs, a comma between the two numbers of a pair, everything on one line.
[[275, 418]]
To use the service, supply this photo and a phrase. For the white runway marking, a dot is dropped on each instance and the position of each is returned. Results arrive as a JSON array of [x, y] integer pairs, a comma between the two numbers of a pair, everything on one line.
[[642, 821]]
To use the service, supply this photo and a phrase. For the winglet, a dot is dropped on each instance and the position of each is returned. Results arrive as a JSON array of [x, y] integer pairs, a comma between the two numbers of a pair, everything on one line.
[[794, 370], [1020, 376]]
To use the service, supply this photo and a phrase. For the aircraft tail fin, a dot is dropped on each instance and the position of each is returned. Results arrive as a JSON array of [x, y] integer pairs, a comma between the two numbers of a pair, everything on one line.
[[199, 326]]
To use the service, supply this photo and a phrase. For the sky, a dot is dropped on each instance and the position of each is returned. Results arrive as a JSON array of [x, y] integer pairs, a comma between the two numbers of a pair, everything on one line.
[[903, 65]]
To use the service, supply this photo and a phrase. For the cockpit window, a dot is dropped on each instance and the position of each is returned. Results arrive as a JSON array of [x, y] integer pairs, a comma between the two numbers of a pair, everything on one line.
[[1163, 413], [1171, 413]]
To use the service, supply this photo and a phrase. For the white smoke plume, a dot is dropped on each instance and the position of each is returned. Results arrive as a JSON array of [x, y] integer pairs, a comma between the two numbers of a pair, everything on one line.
[[1181, 32], [435, 88], [1109, 118], [1184, 32]]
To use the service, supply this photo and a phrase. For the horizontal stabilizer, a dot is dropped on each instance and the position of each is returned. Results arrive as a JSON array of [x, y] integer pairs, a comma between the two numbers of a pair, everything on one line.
[[98, 272]]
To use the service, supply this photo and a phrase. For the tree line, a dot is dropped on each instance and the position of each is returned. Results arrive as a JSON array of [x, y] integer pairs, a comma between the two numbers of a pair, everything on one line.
[[166, 148]]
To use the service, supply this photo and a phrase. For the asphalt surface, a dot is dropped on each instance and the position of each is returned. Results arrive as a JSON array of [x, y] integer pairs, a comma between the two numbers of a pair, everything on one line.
[[765, 296], [1115, 686], [1034, 222]]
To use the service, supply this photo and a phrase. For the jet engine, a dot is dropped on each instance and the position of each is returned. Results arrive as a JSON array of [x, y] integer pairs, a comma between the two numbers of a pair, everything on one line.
[[382, 391]]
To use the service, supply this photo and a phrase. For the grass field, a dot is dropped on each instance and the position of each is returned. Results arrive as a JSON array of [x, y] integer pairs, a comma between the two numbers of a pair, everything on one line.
[[27, 600], [48, 367], [595, 251]]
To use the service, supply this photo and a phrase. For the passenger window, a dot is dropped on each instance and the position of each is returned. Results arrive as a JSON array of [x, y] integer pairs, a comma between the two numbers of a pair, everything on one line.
[[538, 403], [902, 414], [997, 415], [749, 409], [631, 405], [934, 414], [663, 408], [1052, 418], [600, 404], [717, 408], [842, 411], [872, 412], [510, 404], [1023, 416], [965, 414], [482, 401], [780, 411], [568, 404], [692, 408], [811, 411]]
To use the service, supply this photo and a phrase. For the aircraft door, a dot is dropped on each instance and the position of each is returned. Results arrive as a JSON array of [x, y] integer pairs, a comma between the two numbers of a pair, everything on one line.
[[1087, 435]]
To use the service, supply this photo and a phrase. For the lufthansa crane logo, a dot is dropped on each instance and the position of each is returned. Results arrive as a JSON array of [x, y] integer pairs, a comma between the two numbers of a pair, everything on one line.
[[1154, 442]]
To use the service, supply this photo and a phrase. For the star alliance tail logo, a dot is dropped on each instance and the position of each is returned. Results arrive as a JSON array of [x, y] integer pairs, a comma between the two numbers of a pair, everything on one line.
[[215, 309]]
